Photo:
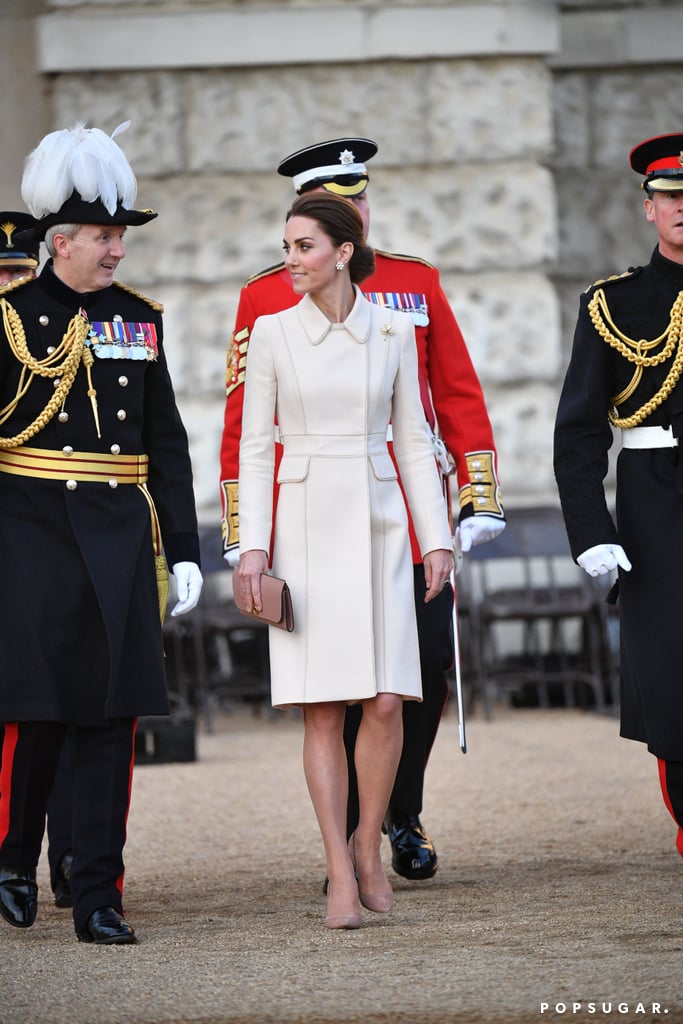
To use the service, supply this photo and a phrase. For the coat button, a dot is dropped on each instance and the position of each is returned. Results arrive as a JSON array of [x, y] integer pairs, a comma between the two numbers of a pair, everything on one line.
[[68, 450], [44, 320], [123, 381], [115, 449], [50, 349], [117, 318], [113, 483], [71, 485], [121, 414], [63, 417], [56, 382]]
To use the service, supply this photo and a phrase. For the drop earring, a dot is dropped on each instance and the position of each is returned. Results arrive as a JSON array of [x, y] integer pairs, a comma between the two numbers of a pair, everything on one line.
[[339, 265]]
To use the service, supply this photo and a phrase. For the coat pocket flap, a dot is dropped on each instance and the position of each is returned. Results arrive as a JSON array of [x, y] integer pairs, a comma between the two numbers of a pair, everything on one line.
[[383, 467], [293, 468]]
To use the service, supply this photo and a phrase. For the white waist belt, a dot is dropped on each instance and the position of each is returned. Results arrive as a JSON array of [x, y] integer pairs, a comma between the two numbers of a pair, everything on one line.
[[649, 437]]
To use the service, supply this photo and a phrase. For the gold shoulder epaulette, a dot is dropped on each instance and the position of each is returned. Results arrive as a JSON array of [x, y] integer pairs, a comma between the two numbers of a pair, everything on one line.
[[138, 295], [403, 256], [12, 286], [614, 277], [265, 273]]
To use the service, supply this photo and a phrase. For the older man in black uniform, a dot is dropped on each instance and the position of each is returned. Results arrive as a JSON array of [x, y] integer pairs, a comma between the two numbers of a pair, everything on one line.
[[625, 373], [94, 472]]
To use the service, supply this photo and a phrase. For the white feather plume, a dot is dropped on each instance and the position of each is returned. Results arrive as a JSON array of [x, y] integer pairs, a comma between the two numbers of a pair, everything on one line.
[[86, 160]]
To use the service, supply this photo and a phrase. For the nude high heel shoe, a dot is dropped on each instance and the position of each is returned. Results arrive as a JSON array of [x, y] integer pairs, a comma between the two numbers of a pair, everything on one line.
[[378, 902], [353, 920]]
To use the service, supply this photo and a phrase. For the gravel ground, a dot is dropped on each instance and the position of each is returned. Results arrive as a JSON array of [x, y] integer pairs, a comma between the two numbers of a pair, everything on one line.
[[558, 884]]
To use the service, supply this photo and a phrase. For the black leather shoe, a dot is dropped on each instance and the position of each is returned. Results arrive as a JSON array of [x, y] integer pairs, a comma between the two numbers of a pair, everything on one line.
[[412, 851], [106, 927], [18, 896], [62, 889]]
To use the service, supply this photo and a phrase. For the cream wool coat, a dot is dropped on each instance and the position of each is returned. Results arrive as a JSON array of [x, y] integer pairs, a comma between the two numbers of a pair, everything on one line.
[[341, 530]]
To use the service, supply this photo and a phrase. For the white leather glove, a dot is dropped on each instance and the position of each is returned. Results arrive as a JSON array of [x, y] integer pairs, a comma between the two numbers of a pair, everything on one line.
[[188, 581], [603, 558], [478, 529], [232, 557]]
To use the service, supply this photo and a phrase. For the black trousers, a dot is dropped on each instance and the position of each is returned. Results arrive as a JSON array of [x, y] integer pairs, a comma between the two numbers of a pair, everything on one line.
[[671, 782], [420, 720], [102, 774], [60, 808]]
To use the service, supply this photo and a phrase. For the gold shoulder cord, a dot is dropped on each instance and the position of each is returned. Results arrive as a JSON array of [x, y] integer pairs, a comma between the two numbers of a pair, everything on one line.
[[635, 352], [62, 363]]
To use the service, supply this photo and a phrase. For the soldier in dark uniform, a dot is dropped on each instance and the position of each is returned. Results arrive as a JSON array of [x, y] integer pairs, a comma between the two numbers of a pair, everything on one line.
[[95, 475], [625, 375], [19, 258], [455, 409]]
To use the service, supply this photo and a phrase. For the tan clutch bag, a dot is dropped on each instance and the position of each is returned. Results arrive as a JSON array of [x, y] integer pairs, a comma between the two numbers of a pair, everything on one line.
[[277, 602]]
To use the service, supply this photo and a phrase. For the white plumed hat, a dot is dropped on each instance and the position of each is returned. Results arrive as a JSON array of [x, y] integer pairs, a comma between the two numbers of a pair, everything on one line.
[[80, 175]]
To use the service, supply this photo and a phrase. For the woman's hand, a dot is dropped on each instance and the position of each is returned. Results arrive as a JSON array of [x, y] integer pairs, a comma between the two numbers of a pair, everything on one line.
[[252, 564], [438, 566]]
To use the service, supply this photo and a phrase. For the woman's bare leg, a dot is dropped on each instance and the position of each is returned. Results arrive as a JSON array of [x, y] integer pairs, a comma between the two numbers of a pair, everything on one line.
[[378, 751], [326, 774]]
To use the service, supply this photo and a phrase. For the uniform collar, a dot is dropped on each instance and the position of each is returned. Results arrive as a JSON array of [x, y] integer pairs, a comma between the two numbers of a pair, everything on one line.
[[60, 292], [317, 326]]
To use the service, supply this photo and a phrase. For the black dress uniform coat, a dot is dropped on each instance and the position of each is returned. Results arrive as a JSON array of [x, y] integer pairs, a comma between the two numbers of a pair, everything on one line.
[[80, 640], [649, 502]]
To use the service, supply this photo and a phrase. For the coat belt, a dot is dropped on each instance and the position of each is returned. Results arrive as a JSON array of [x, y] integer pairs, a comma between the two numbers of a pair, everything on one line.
[[44, 464], [335, 445], [649, 437]]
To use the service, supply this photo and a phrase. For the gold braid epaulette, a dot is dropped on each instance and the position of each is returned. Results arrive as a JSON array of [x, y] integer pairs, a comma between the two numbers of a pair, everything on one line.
[[71, 350], [138, 295], [12, 286], [403, 256], [671, 340]]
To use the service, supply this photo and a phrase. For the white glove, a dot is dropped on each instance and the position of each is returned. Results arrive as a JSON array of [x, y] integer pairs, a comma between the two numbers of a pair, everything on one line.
[[188, 581], [232, 557], [478, 529], [603, 558]]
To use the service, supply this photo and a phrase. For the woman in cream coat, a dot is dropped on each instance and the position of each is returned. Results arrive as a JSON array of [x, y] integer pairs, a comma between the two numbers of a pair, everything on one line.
[[333, 371]]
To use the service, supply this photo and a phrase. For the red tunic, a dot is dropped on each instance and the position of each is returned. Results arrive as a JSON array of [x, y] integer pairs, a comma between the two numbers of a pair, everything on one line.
[[451, 392]]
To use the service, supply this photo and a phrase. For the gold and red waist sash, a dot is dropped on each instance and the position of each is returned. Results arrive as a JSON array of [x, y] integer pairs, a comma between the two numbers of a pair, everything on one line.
[[81, 467]]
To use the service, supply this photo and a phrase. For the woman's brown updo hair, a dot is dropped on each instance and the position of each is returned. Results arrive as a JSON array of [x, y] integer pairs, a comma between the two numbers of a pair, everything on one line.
[[341, 222]]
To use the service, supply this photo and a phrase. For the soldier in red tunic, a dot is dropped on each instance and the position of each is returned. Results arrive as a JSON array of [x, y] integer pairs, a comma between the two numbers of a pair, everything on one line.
[[455, 409]]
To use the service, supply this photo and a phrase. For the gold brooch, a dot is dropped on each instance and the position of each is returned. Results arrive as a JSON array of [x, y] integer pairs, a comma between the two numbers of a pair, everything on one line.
[[387, 330]]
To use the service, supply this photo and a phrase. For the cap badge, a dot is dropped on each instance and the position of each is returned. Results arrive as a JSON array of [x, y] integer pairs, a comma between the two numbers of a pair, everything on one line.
[[346, 158], [8, 230]]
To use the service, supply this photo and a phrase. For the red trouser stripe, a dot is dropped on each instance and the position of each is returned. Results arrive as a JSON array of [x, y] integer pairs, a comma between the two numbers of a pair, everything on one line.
[[9, 745], [661, 765]]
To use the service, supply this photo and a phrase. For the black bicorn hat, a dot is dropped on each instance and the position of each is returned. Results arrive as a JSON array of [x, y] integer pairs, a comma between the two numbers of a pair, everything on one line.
[[17, 248], [75, 210], [337, 165], [660, 160], [80, 175]]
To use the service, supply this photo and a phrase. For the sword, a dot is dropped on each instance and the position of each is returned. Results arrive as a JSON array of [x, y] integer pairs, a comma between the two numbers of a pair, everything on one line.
[[447, 468]]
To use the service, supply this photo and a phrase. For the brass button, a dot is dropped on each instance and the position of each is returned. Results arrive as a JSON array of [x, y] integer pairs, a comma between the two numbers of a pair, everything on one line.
[[63, 417], [71, 485], [44, 320], [115, 449], [121, 414], [113, 483], [123, 381], [50, 349], [117, 318], [68, 450]]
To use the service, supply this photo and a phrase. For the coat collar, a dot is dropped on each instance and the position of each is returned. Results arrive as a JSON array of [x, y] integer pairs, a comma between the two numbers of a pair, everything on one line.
[[317, 326]]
